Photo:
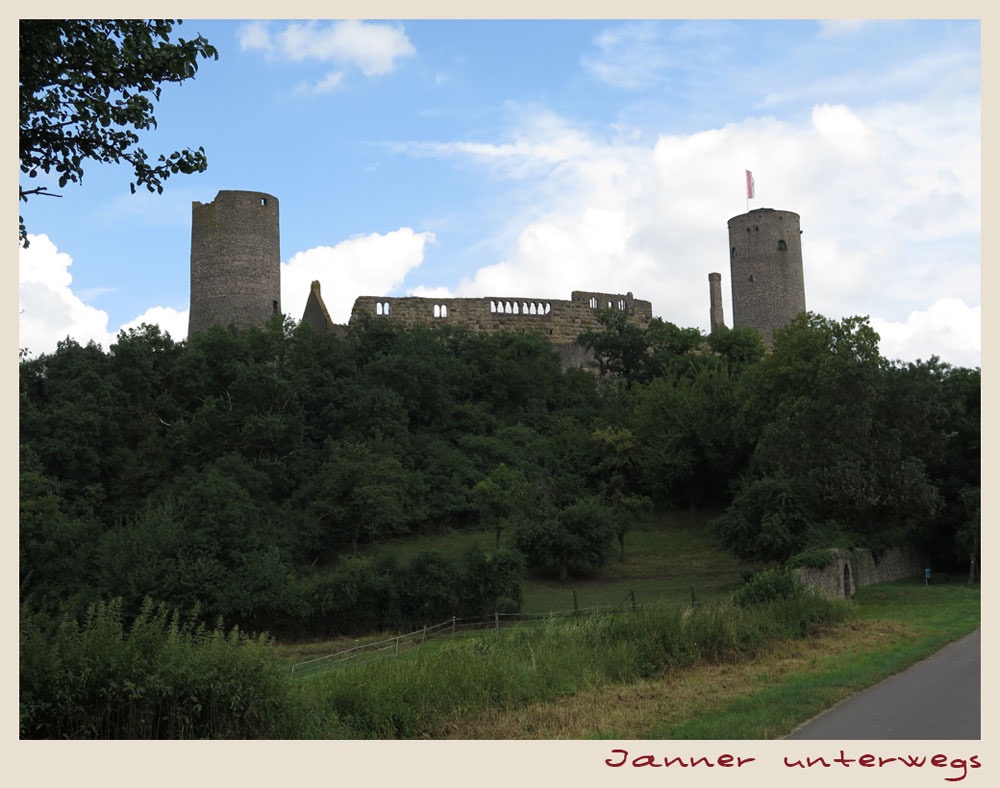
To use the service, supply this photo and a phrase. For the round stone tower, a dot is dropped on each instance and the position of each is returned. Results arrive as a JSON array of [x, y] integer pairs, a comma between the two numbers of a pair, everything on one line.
[[765, 261], [235, 261]]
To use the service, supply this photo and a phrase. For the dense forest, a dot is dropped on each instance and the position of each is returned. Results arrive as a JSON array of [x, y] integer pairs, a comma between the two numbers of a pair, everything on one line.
[[252, 475]]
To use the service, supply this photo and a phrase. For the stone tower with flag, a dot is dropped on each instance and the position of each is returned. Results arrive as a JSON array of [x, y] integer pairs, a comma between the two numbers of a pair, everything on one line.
[[765, 263]]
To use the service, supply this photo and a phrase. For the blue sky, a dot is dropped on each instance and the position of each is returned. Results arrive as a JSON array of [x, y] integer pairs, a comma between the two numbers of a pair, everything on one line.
[[532, 158]]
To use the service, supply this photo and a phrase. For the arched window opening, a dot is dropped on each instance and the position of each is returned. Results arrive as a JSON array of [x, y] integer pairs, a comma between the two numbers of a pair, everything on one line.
[[437, 310], [533, 309], [493, 306], [593, 303], [548, 308], [516, 309], [378, 308], [782, 246], [385, 309]]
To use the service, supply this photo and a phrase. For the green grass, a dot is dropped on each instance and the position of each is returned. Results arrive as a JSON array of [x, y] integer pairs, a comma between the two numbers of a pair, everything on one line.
[[553, 680], [436, 690], [915, 622], [665, 559]]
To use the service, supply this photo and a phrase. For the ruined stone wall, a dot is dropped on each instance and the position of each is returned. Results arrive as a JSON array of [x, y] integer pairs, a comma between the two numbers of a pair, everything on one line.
[[850, 570], [560, 322], [235, 261], [893, 564], [765, 259]]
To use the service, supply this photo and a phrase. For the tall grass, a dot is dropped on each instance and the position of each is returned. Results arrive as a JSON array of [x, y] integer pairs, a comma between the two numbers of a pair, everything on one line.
[[160, 677], [156, 678], [412, 695]]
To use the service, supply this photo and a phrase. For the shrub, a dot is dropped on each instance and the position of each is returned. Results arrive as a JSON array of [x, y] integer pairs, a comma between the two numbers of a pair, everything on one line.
[[490, 581], [771, 585], [814, 558]]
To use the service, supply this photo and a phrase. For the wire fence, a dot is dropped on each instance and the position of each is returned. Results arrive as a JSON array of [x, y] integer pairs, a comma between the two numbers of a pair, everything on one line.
[[398, 644]]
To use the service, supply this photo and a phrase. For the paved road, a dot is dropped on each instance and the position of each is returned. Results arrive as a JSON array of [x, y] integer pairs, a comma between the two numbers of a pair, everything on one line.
[[938, 698]]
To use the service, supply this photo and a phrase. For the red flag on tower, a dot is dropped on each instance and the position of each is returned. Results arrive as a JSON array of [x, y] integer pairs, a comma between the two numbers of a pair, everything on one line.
[[749, 185]]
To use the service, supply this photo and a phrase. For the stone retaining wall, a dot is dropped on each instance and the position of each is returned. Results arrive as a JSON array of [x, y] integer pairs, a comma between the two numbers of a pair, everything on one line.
[[853, 569]]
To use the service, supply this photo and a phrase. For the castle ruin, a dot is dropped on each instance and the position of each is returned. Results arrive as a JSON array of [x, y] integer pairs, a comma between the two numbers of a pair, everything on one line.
[[236, 278], [235, 261], [765, 264]]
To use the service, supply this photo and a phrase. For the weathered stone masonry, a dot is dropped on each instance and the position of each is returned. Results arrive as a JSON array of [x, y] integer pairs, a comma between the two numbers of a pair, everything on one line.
[[765, 262], [561, 322], [850, 570], [236, 280], [235, 261]]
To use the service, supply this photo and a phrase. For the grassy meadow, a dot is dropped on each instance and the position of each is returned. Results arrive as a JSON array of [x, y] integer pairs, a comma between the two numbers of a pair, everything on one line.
[[664, 672], [666, 558], [717, 672], [734, 666]]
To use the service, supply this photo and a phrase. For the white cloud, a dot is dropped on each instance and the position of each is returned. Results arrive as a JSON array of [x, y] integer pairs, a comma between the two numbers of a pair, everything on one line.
[[373, 48], [255, 35], [171, 321], [948, 328], [49, 309], [430, 292], [889, 200], [330, 82], [843, 131], [629, 56], [842, 27], [371, 264], [541, 143], [374, 264]]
